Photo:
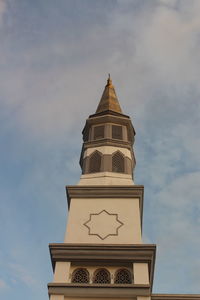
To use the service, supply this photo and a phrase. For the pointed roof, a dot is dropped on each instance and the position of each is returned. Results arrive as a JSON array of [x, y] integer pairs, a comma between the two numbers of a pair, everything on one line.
[[109, 99]]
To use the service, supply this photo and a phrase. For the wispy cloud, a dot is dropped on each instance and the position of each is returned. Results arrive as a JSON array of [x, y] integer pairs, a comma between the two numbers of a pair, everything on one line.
[[22, 274], [2, 6], [3, 284]]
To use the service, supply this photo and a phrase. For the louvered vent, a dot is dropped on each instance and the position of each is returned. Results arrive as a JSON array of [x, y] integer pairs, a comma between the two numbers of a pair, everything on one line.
[[118, 163], [86, 136], [98, 132], [95, 162], [117, 132]]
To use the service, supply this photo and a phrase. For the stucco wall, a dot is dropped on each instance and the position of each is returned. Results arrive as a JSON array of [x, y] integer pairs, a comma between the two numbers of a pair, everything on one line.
[[105, 214]]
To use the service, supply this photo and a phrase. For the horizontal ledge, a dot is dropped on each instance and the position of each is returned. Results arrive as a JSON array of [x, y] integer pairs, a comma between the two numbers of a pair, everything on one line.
[[103, 247], [107, 174], [95, 285], [99, 191], [108, 113], [113, 253], [108, 142], [108, 291], [175, 297]]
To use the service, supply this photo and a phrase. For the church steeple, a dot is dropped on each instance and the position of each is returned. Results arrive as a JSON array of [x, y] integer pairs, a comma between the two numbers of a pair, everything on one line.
[[109, 99]]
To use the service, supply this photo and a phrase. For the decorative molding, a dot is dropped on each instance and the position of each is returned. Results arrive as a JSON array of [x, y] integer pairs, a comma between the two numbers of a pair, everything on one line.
[[99, 290], [108, 117], [101, 235], [98, 191], [108, 142]]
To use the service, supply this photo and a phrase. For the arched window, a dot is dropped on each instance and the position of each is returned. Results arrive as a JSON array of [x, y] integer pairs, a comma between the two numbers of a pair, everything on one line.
[[118, 162], [95, 162], [102, 276], [123, 276], [80, 276]]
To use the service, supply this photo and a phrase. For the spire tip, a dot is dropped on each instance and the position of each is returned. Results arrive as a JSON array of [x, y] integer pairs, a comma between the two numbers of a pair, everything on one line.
[[109, 81]]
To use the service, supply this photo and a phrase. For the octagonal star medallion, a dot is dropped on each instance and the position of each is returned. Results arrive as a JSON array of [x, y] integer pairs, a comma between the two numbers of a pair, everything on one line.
[[103, 224]]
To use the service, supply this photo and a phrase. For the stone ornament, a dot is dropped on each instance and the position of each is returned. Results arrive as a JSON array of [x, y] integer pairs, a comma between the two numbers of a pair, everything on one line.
[[103, 224]]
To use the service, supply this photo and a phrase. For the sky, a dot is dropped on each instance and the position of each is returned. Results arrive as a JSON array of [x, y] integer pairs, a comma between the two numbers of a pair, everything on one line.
[[54, 61]]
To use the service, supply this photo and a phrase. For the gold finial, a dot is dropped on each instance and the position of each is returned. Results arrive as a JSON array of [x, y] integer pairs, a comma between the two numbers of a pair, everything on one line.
[[109, 81]]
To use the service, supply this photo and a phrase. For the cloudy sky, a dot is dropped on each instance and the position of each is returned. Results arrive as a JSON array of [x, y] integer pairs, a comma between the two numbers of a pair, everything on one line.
[[54, 61]]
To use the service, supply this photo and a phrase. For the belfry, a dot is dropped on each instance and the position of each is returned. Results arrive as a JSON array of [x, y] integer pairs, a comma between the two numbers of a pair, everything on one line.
[[103, 256]]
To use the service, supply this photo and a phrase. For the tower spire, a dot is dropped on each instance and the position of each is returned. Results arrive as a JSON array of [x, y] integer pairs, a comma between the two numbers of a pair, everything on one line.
[[109, 80], [109, 99], [107, 156]]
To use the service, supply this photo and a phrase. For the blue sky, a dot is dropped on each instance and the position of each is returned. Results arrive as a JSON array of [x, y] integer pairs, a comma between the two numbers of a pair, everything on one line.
[[54, 61]]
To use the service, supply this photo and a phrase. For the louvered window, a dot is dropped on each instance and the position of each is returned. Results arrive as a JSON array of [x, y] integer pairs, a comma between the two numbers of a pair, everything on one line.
[[102, 276], [95, 162], [86, 136], [117, 132], [80, 276], [98, 132], [118, 163], [123, 276]]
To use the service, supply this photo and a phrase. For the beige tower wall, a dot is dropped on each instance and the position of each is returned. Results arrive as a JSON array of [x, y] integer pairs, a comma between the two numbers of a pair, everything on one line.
[[118, 219], [57, 297], [61, 273], [99, 298], [106, 178], [141, 273]]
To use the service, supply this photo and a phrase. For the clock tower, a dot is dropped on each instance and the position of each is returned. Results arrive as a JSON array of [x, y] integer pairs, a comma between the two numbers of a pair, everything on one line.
[[103, 255]]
